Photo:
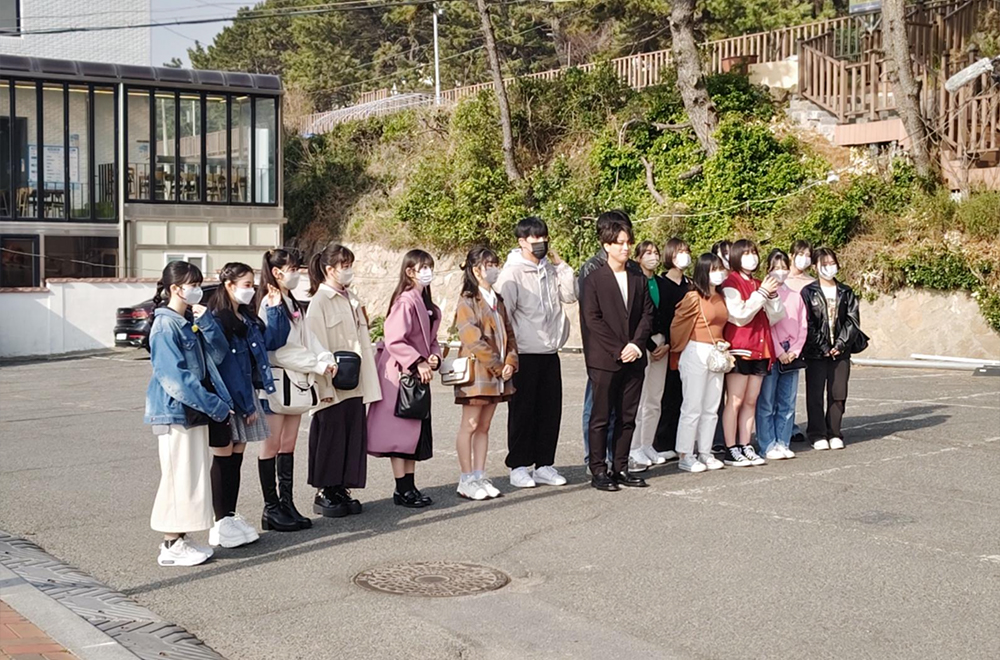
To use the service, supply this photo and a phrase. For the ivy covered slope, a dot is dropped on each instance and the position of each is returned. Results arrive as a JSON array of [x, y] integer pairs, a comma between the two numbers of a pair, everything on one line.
[[588, 143]]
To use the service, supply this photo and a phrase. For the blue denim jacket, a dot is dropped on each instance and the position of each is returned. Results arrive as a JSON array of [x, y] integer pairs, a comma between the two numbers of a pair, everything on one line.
[[234, 363], [179, 367]]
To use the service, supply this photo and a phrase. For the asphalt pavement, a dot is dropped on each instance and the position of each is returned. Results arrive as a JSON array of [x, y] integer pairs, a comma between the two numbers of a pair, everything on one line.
[[887, 549]]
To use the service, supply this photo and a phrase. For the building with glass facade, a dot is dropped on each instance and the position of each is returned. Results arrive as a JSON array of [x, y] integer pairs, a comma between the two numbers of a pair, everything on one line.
[[111, 170]]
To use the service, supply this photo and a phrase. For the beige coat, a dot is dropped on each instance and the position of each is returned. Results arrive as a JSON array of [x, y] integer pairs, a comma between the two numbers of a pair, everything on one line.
[[480, 339], [340, 323]]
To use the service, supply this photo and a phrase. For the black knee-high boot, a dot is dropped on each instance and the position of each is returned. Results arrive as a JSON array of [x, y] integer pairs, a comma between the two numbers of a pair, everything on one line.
[[275, 516], [286, 472], [219, 473]]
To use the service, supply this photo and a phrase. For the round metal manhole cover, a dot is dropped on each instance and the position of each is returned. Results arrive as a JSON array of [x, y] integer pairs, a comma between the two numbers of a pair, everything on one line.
[[432, 579]]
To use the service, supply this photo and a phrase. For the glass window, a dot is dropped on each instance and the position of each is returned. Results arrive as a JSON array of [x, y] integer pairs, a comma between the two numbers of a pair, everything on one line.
[[240, 150], [138, 144], [5, 194], [265, 162], [25, 149], [215, 148], [190, 129], [193, 259], [81, 256], [10, 17], [79, 152], [165, 183], [19, 261], [104, 152], [53, 160]]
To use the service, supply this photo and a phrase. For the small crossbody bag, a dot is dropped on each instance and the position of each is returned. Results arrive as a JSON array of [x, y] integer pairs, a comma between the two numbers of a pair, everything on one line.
[[720, 360]]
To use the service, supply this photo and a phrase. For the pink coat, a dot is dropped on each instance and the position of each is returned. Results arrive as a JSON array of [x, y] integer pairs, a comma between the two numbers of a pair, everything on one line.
[[409, 337]]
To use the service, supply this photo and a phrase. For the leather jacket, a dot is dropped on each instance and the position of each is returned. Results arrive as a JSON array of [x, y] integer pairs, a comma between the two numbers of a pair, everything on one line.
[[847, 327]]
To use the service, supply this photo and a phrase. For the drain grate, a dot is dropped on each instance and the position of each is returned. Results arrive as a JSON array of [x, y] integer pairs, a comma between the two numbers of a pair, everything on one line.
[[435, 579]]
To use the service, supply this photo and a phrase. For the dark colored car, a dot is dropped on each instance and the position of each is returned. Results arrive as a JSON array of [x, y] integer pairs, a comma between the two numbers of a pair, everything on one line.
[[132, 324]]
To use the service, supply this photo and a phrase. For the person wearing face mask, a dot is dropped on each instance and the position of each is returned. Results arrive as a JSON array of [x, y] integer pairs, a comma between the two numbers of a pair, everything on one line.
[[642, 454], [696, 328], [676, 258], [295, 366], [535, 284], [721, 250], [338, 433], [245, 370], [753, 306], [487, 337], [776, 403], [834, 333], [798, 279], [410, 346], [185, 393]]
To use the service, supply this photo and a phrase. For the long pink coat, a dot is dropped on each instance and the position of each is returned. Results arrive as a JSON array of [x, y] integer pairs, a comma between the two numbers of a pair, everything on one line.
[[409, 337]]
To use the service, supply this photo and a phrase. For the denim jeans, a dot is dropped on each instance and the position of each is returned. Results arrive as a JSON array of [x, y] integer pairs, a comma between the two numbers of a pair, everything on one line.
[[776, 408], [588, 407]]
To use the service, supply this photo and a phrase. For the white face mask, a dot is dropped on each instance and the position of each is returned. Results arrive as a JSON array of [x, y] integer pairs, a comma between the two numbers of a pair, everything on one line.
[[749, 262], [650, 261], [425, 276], [780, 275], [491, 275], [828, 272], [244, 295], [345, 276], [191, 294], [717, 277], [290, 279], [682, 260], [802, 262]]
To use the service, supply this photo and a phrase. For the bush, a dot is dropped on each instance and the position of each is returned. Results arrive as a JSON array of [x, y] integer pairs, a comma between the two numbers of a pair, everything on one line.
[[979, 215]]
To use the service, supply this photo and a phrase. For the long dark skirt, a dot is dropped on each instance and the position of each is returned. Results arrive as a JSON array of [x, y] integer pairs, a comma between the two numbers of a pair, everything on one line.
[[425, 445], [338, 446]]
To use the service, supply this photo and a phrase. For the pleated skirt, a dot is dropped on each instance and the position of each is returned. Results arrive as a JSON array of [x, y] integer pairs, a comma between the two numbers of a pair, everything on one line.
[[338, 446]]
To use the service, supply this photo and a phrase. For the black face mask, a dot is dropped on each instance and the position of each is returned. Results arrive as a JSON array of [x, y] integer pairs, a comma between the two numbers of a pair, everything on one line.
[[540, 249]]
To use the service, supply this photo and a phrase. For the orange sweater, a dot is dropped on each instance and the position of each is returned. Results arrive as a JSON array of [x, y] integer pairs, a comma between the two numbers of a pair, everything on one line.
[[688, 325]]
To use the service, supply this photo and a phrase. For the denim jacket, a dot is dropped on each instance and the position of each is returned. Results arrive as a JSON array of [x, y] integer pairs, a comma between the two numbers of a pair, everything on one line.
[[235, 364], [179, 367]]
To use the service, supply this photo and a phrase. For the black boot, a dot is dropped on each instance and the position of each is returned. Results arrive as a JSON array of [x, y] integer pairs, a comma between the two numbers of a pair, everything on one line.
[[274, 517], [286, 472]]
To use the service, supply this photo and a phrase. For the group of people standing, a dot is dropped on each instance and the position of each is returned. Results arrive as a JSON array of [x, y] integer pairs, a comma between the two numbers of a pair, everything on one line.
[[660, 351]]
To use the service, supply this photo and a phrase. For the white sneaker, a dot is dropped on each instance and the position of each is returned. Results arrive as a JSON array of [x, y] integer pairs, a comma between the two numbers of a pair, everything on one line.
[[472, 490], [180, 553], [227, 533], [691, 464], [836, 443], [491, 490], [638, 456], [654, 456], [521, 478], [788, 452], [710, 462], [775, 454], [668, 455], [547, 476], [634, 466], [249, 533], [207, 549], [821, 444]]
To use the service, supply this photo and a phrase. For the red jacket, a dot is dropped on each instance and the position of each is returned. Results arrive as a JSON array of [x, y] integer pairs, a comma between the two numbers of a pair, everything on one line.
[[752, 340]]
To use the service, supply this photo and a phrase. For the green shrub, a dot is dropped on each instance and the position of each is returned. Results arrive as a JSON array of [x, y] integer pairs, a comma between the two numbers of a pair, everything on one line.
[[979, 215]]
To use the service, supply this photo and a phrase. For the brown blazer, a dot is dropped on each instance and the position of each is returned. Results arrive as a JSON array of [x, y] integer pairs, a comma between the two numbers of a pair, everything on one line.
[[608, 323], [478, 332]]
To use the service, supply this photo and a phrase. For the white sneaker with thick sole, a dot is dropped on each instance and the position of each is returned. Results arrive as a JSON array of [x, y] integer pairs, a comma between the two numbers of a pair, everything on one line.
[[691, 464], [836, 443], [668, 455], [180, 553], [491, 490], [710, 462], [788, 452], [653, 456], [472, 490], [249, 533], [207, 549], [821, 445], [226, 533], [638, 456], [634, 466], [775, 454], [521, 478], [547, 476]]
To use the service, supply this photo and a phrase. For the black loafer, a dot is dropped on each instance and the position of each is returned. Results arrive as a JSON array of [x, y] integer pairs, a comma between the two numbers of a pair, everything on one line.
[[423, 498], [410, 499], [604, 482], [629, 480], [328, 505]]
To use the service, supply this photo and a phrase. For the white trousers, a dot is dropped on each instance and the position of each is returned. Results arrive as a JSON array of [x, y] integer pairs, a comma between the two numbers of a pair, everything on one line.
[[184, 499], [648, 417], [700, 408]]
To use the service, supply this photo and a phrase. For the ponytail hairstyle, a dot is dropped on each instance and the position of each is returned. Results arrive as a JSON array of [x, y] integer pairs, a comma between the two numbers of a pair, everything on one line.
[[224, 308], [478, 256], [417, 260], [176, 272], [278, 258], [334, 255]]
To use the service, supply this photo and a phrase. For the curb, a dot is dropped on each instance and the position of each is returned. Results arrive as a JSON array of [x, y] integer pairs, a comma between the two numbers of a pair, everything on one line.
[[90, 619]]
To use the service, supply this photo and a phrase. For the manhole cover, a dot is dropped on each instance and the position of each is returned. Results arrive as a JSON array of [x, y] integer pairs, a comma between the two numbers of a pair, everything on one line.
[[432, 578]]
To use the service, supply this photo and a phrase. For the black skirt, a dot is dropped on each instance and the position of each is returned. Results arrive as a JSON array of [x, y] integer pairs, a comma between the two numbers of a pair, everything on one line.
[[338, 446], [425, 445], [749, 367]]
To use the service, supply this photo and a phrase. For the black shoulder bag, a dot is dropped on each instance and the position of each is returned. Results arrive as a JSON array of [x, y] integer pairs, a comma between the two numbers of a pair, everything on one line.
[[414, 398]]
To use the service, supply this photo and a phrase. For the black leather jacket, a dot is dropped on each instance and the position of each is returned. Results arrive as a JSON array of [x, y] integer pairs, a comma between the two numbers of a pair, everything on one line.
[[846, 329]]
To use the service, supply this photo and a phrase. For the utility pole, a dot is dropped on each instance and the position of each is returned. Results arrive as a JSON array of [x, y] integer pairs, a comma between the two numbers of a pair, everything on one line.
[[437, 58]]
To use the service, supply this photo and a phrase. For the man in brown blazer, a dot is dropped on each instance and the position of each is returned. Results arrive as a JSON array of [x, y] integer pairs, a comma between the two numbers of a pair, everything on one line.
[[616, 314]]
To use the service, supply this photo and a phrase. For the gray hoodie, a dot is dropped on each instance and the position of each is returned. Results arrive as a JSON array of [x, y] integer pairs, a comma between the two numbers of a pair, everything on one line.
[[534, 295]]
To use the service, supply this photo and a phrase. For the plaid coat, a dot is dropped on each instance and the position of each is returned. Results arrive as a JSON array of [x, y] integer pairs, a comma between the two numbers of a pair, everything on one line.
[[478, 333]]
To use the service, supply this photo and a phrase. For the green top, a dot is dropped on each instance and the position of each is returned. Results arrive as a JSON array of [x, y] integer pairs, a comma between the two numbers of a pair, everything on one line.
[[654, 291]]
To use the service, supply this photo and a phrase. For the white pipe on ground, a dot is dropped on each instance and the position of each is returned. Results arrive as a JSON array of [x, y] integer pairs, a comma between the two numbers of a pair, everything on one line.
[[946, 358], [913, 364]]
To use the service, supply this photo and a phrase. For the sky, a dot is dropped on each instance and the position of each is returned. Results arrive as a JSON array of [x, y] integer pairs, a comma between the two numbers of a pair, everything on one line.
[[168, 42]]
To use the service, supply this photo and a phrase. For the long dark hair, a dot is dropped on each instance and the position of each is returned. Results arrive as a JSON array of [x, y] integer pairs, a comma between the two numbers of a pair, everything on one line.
[[417, 260], [740, 248], [176, 272], [334, 255], [277, 258], [478, 256], [700, 278], [224, 308]]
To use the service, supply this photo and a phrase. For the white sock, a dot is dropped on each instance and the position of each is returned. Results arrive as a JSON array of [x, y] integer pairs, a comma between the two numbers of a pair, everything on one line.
[[467, 477], [478, 474]]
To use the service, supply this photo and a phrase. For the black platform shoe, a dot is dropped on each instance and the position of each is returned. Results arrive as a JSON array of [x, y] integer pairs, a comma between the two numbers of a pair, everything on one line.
[[353, 505], [329, 504]]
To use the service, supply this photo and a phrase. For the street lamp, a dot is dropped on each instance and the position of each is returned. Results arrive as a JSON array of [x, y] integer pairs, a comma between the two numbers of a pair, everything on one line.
[[437, 60]]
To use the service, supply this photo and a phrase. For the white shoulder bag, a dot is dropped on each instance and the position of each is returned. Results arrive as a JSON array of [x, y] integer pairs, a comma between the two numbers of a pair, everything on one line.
[[720, 360]]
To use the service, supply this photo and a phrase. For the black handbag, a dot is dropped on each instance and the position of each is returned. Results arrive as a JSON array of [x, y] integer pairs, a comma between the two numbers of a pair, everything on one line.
[[220, 434], [414, 398], [348, 370], [859, 344], [794, 365]]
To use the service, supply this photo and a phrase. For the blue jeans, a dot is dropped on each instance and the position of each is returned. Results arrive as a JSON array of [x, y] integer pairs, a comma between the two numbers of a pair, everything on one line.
[[588, 406], [776, 409]]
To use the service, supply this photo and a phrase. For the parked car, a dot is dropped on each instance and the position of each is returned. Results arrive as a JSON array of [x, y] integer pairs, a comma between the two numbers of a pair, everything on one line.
[[132, 324]]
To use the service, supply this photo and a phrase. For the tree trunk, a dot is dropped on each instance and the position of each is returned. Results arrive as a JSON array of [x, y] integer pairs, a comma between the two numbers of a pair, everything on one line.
[[907, 92], [690, 80], [510, 164]]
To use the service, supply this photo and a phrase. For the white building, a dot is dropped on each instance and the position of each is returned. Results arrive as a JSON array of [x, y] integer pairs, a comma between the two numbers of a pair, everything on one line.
[[18, 18]]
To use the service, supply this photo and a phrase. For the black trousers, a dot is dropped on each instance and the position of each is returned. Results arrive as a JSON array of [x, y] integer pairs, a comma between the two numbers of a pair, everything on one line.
[[618, 391], [535, 411], [827, 377], [670, 413]]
